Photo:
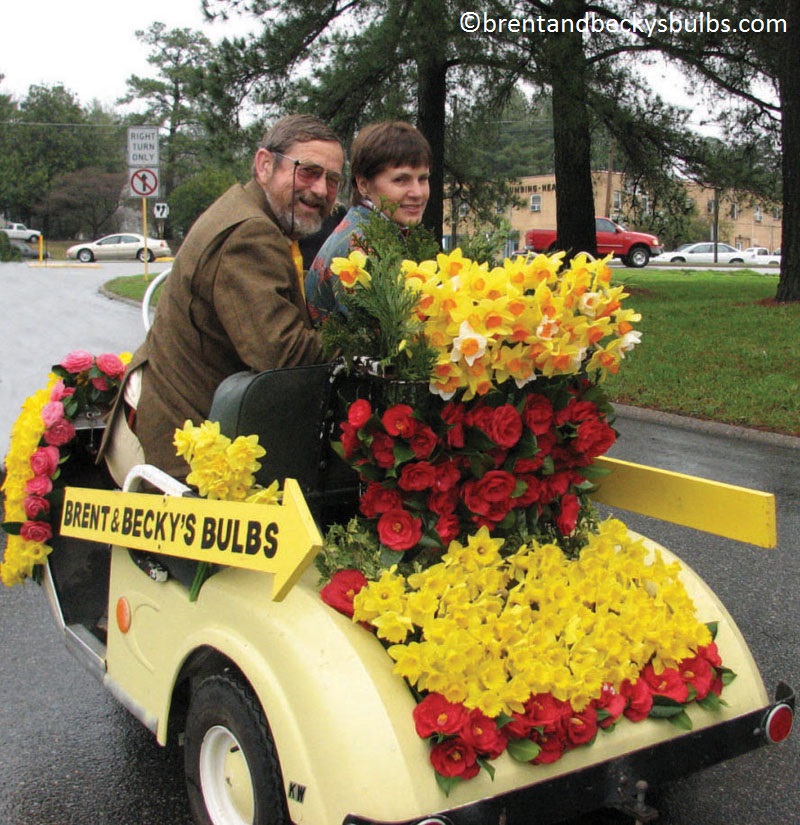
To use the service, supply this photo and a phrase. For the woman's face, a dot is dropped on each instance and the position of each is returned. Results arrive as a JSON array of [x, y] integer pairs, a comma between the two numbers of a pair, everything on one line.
[[401, 192]]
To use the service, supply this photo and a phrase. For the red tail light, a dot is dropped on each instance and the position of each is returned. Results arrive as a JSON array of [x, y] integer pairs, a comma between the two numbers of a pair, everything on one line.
[[779, 722]]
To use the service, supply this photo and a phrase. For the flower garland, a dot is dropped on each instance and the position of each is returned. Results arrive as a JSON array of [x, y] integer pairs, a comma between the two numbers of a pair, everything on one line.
[[41, 442], [533, 653]]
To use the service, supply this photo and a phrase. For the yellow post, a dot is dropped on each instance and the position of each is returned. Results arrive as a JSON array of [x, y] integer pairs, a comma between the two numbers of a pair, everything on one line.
[[723, 509], [144, 232], [41, 248]]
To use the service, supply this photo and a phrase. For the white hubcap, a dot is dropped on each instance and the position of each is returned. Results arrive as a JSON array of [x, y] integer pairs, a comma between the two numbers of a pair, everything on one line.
[[225, 779]]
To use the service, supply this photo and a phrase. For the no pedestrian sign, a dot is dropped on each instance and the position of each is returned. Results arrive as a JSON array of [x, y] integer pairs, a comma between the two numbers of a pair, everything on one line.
[[144, 183]]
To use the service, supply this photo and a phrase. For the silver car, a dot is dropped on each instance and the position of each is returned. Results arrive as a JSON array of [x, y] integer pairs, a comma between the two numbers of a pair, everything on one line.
[[120, 247], [701, 253]]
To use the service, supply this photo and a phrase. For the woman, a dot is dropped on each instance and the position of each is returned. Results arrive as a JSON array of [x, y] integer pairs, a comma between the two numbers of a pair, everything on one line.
[[390, 170]]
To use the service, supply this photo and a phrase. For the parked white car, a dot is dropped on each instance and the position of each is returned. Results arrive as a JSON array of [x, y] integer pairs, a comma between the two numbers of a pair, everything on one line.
[[120, 247], [762, 256], [20, 232], [701, 253]]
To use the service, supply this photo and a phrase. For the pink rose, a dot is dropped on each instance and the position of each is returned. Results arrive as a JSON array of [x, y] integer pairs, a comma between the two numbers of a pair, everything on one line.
[[36, 506], [44, 461], [62, 432], [36, 531], [111, 365], [39, 486], [51, 412], [100, 384], [60, 391], [77, 361]]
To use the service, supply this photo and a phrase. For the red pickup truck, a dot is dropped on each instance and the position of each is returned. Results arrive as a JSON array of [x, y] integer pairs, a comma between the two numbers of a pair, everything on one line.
[[632, 248]]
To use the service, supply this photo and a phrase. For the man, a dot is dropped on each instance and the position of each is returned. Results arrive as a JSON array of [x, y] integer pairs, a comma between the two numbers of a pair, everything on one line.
[[234, 299]]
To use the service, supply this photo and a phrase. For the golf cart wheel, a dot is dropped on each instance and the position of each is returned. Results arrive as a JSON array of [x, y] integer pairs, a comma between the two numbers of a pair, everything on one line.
[[233, 776]]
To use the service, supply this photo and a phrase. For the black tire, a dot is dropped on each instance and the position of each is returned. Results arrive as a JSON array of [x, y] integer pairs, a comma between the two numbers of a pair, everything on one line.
[[85, 256], [677, 260], [150, 256], [232, 771], [637, 257], [736, 260], [33, 239]]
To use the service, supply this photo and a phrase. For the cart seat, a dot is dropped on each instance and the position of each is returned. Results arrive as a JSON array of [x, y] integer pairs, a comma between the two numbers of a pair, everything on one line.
[[293, 413]]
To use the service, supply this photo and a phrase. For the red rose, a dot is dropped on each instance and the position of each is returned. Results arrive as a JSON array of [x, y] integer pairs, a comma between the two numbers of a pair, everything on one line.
[[537, 414], [418, 475], [447, 474], [519, 727], [482, 734], [532, 493], [546, 712], [448, 527], [710, 652], [443, 502], [62, 432], [610, 706], [399, 530], [38, 531], [36, 506], [378, 499], [453, 415], [44, 461], [528, 465], [505, 426], [423, 441], [567, 517], [496, 485], [594, 438], [435, 715], [581, 727], [640, 699], [698, 673], [667, 683], [340, 591], [552, 747], [350, 441], [472, 498], [383, 450], [359, 412], [454, 757], [397, 420], [39, 486], [577, 411], [111, 365]]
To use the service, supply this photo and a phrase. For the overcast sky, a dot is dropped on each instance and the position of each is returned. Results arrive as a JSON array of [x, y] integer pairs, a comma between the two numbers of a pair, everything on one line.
[[90, 46]]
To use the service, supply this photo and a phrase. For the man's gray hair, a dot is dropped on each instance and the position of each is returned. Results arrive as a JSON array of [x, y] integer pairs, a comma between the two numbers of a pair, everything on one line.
[[296, 129]]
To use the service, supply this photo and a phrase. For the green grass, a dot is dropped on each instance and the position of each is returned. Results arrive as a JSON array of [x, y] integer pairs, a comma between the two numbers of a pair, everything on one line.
[[714, 345]]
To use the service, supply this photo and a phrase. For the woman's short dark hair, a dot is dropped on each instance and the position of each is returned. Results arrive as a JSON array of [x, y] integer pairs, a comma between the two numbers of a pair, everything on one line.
[[385, 145]]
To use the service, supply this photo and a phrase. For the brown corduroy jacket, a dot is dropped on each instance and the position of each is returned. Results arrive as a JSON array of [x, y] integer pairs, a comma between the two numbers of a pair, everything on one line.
[[232, 302]]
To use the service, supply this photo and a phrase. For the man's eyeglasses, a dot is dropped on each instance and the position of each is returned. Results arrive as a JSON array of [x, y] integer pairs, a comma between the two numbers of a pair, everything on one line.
[[308, 173]]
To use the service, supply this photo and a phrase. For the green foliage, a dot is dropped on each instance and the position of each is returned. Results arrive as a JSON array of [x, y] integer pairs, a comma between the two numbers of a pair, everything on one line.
[[7, 252], [192, 197], [379, 322]]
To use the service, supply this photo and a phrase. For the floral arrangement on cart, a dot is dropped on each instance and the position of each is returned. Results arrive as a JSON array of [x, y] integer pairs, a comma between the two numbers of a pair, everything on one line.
[[521, 621]]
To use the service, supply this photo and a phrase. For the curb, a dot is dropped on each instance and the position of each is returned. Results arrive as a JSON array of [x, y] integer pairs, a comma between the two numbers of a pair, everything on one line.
[[685, 422]]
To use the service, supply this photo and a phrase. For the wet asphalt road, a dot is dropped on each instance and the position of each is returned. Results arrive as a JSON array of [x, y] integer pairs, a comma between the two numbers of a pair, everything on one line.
[[69, 755]]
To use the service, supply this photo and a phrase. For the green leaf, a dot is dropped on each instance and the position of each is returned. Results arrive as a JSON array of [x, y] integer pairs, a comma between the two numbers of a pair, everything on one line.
[[487, 766], [523, 750], [710, 702], [681, 720], [713, 627], [446, 783], [12, 528]]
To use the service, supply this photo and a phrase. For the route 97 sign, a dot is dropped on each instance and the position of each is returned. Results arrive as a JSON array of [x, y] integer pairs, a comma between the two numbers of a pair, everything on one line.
[[143, 183]]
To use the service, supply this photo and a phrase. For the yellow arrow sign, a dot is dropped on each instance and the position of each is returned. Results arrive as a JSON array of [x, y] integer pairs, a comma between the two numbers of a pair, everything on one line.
[[271, 538]]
